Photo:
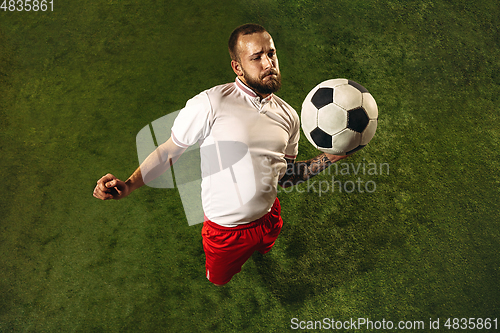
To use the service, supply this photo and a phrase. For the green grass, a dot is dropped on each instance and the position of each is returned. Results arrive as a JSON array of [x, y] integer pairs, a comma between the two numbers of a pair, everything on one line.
[[77, 84]]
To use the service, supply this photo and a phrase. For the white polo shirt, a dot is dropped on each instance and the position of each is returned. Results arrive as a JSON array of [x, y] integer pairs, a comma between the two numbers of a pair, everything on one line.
[[243, 144]]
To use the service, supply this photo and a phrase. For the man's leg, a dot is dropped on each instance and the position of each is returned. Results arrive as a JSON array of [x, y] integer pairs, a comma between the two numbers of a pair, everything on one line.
[[226, 250]]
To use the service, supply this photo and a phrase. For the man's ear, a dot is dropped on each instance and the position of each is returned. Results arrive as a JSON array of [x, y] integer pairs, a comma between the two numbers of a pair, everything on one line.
[[236, 67]]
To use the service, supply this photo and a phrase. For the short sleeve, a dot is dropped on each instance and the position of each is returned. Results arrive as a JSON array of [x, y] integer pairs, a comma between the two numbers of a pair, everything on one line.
[[292, 148], [193, 122]]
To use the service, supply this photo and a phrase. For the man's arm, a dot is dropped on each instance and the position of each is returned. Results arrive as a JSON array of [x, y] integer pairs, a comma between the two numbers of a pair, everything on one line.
[[299, 172], [159, 161]]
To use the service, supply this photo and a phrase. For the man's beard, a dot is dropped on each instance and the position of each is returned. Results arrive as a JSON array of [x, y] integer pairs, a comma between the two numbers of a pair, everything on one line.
[[272, 85]]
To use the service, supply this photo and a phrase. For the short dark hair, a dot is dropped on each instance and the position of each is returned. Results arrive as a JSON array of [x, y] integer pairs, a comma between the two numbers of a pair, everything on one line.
[[245, 29]]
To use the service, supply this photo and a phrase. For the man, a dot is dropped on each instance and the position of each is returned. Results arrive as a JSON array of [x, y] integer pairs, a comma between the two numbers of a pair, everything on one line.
[[239, 220]]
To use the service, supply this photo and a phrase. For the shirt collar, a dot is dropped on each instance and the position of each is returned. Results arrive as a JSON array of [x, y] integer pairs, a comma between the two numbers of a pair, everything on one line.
[[250, 92]]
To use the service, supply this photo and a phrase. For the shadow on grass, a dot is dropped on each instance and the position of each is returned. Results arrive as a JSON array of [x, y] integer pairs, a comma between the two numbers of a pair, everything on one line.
[[326, 252], [287, 286]]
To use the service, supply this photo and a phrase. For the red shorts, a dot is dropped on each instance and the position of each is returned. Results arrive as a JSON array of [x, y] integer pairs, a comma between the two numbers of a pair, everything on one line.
[[227, 249]]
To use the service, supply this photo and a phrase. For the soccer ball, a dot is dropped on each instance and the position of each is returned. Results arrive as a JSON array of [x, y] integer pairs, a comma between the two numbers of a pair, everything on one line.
[[339, 116]]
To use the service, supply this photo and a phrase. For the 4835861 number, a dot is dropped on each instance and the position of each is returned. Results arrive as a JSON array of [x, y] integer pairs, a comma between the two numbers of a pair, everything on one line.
[[27, 5], [471, 323]]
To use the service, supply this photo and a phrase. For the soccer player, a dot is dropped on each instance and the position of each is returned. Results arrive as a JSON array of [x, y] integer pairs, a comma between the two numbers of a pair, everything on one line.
[[246, 112]]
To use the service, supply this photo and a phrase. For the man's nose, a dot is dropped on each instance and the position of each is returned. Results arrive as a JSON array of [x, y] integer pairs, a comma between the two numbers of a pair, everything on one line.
[[268, 62]]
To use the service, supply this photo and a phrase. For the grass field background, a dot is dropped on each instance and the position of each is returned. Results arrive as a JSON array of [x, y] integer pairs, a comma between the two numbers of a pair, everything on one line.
[[78, 83]]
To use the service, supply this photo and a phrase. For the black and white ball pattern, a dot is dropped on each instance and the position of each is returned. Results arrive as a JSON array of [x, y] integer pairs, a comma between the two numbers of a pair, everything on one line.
[[339, 116]]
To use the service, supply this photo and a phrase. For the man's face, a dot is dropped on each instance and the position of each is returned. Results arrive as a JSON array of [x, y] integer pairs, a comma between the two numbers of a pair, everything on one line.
[[258, 66]]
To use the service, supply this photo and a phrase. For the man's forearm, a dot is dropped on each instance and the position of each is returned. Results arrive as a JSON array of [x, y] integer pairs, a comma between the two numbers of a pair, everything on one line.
[[155, 165], [153, 169], [299, 172], [135, 180]]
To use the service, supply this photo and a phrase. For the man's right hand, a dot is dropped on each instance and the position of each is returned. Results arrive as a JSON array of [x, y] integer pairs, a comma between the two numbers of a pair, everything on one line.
[[110, 187]]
